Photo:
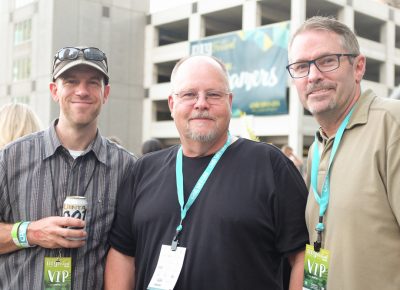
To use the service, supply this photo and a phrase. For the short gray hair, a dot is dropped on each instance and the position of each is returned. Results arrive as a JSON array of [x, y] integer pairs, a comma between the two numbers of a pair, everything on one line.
[[348, 38]]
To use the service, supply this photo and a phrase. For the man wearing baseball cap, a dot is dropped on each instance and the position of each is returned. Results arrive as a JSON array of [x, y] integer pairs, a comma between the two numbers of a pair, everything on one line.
[[40, 248]]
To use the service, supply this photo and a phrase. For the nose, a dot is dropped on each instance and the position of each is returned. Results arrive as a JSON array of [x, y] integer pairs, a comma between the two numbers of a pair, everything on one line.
[[82, 89], [201, 102], [314, 73]]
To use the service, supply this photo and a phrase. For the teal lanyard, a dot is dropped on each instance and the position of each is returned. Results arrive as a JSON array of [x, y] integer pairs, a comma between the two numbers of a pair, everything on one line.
[[197, 188], [323, 198]]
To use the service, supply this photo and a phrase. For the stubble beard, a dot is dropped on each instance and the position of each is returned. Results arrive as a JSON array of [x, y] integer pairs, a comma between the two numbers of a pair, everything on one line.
[[316, 107], [87, 120]]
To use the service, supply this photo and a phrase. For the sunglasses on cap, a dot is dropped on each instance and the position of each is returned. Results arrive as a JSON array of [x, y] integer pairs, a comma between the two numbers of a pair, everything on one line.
[[89, 53]]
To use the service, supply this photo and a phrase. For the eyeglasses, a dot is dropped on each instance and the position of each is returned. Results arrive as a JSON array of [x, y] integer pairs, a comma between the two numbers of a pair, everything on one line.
[[191, 97], [324, 63], [89, 53]]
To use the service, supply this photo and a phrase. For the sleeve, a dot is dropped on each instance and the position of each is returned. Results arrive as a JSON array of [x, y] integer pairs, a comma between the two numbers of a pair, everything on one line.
[[290, 204], [121, 234], [393, 178], [4, 198]]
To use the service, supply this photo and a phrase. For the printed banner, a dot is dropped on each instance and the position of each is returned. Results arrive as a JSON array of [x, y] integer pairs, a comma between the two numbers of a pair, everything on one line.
[[256, 61]]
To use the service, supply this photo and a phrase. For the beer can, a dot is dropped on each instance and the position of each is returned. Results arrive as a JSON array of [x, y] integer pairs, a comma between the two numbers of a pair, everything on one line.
[[76, 207]]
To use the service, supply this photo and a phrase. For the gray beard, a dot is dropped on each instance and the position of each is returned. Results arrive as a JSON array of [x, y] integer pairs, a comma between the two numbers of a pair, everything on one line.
[[202, 138]]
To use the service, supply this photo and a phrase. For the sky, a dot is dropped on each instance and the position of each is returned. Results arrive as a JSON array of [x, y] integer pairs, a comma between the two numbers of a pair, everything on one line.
[[157, 5]]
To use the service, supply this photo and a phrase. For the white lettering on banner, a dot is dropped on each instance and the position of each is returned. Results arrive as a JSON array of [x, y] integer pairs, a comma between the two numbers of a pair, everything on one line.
[[202, 48], [313, 265], [254, 79]]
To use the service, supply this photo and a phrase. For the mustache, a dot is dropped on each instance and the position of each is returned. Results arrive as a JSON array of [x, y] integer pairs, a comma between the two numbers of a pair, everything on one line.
[[201, 115], [319, 86]]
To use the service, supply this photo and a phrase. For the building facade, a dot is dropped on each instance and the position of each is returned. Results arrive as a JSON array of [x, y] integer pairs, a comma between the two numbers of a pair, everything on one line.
[[142, 50], [33, 30], [169, 32]]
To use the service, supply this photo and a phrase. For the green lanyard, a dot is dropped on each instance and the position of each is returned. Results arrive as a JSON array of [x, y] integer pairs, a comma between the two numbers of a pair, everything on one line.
[[323, 198], [197, 188]]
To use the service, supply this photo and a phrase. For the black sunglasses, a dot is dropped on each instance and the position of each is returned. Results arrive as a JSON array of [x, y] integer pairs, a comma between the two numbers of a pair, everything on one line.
[[89, 53]]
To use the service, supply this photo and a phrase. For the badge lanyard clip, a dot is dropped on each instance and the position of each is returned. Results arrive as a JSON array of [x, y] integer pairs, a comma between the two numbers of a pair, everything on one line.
[[319, 229], [175, 241]]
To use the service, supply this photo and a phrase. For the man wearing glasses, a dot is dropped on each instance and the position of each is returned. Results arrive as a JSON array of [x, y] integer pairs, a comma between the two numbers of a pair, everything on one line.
[[353, 209], [39, 248], [215, 212]]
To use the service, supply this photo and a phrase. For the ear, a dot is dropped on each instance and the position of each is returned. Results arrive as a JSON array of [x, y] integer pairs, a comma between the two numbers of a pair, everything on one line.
[[171, 103], [230, 100], [360, 65], [53, 91], [106, 93]]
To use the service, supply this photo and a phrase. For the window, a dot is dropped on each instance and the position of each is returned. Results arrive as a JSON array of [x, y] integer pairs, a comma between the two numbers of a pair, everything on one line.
[[22, 32], [22, 69], [106, 12]]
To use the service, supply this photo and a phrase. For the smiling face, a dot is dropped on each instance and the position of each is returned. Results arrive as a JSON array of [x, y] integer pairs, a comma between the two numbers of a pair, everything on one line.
[[326, 92], [200, 122], [80, 93]]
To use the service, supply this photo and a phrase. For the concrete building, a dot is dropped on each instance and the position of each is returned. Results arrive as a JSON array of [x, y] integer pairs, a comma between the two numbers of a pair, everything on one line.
[[169, 32], [142, 52], [33, 30]]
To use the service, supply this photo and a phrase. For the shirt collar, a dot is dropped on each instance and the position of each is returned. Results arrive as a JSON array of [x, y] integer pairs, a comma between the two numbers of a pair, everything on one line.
[[361, 109], [52, 143], [321, 136]]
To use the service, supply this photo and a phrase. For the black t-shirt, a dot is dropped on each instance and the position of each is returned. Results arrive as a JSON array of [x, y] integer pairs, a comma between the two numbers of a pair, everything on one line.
[[249, 214]]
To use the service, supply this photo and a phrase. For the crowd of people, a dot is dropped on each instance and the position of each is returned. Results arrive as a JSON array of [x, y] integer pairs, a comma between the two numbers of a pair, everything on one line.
[[215, 211]]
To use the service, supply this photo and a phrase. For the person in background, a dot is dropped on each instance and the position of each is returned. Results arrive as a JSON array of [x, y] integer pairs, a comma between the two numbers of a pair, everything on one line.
[[151, 145], [16, 120], [353, 209], [40, 248], [225, 209], [288, 151]]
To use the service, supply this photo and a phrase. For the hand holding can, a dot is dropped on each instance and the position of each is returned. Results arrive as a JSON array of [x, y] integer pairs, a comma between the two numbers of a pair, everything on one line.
[[76, 207]]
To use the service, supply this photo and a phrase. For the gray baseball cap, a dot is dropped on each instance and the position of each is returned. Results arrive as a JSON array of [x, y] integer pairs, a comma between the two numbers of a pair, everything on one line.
[[69, 57]]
